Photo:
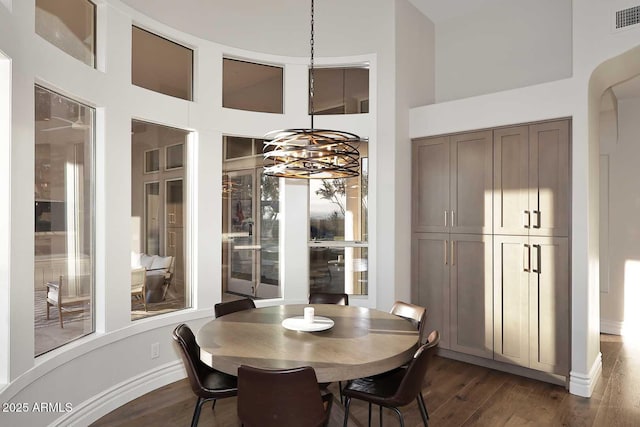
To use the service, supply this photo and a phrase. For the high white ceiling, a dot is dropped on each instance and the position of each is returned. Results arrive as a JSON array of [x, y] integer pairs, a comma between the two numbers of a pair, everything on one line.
[[442, 10]]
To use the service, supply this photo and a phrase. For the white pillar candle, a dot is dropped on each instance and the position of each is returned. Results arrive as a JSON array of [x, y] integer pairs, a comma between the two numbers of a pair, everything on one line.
[[308, 314]]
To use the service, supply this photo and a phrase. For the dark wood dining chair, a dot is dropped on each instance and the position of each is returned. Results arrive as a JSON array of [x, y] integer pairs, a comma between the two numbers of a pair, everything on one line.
[[328, 298], [222, 308], [415, 313], [206, 383], [281, 398], [396, 388]]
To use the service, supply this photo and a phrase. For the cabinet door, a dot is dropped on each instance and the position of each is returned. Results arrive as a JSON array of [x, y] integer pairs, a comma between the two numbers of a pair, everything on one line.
[[431, 185], [430, 263], [549, 178], [471, 294], [471, 183], [511, 180], [511, 299], [175, 248], [175, 202], [549, 297]]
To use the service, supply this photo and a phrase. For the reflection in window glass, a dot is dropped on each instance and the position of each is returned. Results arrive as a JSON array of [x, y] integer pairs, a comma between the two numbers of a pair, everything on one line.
[[250, 224], [252, 87], [237, 147], [158, 282], [175, 156], [161, 65], [338, 207], [64, 227], [68, 25], [338, 270], [152, 161], [341, 91], [338, 218]]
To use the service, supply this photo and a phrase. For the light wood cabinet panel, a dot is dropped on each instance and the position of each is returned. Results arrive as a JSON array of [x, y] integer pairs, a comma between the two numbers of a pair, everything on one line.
[[531, 179], [531, 302], [511, 300], [471, 183], [549, 297], [511, 180], [471, 295], [431, 280], [549, 178], [430, 184]]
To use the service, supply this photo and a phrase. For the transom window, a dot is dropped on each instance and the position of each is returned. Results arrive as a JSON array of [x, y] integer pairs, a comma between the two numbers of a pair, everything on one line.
[[161, 65], [341, 90], [251, 86], [70, 25]]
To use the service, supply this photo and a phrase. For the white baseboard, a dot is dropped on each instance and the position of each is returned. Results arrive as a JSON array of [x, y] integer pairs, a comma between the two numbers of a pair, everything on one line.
[[612, 327], [583, 385], [101, 404]]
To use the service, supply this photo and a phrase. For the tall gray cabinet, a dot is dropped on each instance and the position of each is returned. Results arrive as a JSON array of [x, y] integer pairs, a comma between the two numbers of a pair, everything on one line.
[[490, 248], [452, 247]]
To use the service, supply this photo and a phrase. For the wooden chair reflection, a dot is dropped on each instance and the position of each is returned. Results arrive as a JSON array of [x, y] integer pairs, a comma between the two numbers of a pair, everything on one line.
[[59, 296]]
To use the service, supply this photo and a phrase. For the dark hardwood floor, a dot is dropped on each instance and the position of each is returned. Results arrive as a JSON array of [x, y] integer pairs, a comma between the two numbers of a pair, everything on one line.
[[456, 394]]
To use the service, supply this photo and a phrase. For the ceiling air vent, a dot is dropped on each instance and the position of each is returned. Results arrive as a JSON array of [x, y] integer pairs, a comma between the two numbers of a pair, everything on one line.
[[627, 17]]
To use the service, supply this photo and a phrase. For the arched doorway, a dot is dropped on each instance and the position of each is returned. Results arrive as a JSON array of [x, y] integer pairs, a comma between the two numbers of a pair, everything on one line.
[[615, 91]]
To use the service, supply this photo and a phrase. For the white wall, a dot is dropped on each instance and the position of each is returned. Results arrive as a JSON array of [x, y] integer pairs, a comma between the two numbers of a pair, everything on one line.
[[5, 224], [624, 211], [507, 44], [415, 85]]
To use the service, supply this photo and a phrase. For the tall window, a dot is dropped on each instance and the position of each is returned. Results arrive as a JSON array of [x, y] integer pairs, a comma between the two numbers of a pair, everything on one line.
[[158, 220], [161, 65], [252, 87], [338, 245], [64, 226], [341, 90], [69, 25], [250, 222]]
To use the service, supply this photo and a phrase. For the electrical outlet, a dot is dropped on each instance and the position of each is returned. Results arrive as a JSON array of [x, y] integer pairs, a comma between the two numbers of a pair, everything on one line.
[[155, 350]]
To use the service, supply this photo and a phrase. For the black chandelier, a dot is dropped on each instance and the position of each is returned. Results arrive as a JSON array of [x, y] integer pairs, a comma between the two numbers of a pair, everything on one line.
[[311, 153]]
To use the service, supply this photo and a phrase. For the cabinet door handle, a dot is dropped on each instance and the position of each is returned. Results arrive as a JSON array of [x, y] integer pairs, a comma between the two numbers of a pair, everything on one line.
[[453, 218], [453, 252], [526, 219], [446, 216], [446, 252], [538, 257], [537, 214], [526, 258]]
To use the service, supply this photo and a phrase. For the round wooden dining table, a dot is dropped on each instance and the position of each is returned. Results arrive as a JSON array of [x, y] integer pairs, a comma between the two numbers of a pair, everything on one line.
[[362, 341]]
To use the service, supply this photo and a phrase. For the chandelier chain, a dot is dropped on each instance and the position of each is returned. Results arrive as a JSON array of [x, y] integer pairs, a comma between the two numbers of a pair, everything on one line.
[[311, 71], [311, 153]]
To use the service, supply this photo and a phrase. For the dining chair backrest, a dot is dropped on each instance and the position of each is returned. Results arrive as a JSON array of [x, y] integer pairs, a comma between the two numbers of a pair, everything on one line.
[[411, 384], [415, 313], [190, 353], [222, 308], [328, 298], [276, 398]]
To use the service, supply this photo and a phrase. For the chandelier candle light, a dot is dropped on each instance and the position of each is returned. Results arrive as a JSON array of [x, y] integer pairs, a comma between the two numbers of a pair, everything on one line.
[[311, 153]]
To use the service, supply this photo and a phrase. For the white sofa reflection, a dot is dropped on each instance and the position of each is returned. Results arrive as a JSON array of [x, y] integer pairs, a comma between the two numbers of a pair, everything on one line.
[[151, 276]]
